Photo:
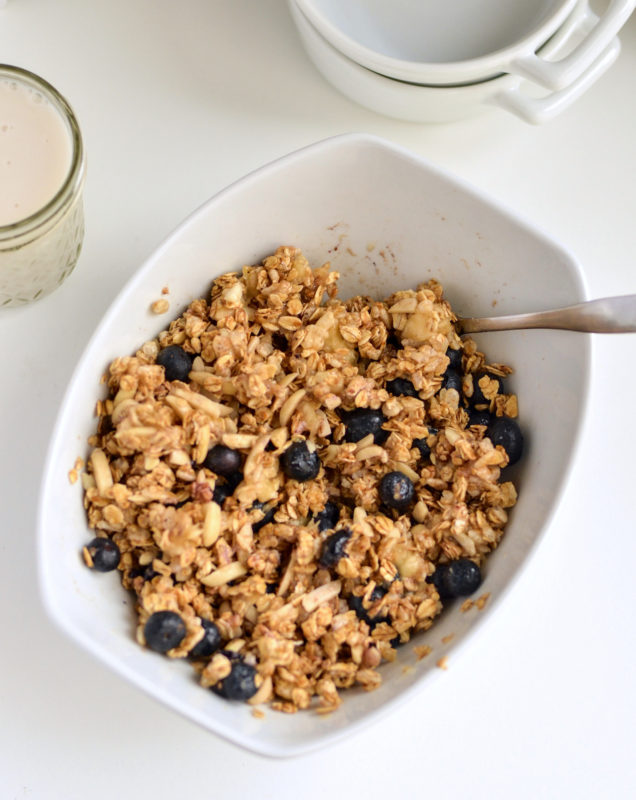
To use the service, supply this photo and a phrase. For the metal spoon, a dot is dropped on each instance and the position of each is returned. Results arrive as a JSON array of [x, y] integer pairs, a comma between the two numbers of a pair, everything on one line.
[[606, 315]]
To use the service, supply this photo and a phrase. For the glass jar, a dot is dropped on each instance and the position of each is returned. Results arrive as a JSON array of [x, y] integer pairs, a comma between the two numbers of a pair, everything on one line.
[[40, 250]]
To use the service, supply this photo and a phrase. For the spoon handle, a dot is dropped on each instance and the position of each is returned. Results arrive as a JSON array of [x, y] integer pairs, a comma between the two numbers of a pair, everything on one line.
[[606, 315]]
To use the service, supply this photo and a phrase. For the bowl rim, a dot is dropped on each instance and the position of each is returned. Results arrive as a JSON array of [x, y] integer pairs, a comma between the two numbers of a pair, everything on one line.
[[54, 608], [450, 72]]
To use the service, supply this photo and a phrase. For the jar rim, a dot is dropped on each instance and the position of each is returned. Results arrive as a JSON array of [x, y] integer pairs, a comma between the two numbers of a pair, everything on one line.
[[75, 176]]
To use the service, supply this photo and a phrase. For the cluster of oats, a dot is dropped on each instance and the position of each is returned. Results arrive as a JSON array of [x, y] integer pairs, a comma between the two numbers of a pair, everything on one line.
[[277, 358]]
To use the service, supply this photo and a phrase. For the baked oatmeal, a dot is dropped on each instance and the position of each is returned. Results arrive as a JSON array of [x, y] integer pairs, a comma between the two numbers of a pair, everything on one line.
[[293, 485]]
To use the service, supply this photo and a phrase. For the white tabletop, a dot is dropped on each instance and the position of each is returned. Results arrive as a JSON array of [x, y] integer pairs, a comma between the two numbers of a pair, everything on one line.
[[175, 101]]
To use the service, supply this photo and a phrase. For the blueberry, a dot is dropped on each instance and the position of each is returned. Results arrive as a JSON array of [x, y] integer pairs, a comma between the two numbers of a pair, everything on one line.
[[268, 515], [232, 655], [234, 479], [363, 613], [105, 554], [456, 579], [279, 342], [135, 572], [361, 422], [401, 386], [210, 643], [422, 446], [507, 433], [478, 398], [164, 630], [224, 488], [239, 684], [436, 578], [149, 573], [452, 380], [223, 460], [454, 359], [221, 493], [176, 362], [396, 490], [271, 588], [299, 463], [328, 517], [333, 548], [476, 417]]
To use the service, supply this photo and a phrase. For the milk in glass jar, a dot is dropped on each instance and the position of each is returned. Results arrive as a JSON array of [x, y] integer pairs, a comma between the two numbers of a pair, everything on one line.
[[41, 179]]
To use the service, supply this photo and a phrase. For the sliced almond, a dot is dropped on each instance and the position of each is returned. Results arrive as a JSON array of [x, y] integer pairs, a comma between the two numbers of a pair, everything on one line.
[[101, 471], [224, 575], [211, 524], [322, 594]]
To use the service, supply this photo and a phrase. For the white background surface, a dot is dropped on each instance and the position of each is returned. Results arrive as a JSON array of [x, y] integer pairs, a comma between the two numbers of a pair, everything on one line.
[[176, 100]]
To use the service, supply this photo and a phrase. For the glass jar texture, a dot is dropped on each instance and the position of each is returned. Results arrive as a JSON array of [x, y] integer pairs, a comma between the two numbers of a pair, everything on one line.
[[40, 250]]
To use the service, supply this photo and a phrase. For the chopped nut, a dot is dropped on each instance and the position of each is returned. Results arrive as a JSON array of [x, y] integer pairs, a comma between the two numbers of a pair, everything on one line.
[[422, 650], [160, 306], [481, 601]]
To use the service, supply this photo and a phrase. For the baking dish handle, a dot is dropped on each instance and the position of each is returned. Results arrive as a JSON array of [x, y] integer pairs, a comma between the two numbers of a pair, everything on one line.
[[537, 110], [557, 75]]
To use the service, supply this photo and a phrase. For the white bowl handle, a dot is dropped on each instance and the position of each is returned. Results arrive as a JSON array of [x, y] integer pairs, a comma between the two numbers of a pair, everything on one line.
[[540, 109], [560, 74]]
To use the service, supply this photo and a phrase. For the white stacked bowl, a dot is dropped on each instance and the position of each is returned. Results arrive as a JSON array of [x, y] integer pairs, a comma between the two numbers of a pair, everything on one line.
[[430, 62]]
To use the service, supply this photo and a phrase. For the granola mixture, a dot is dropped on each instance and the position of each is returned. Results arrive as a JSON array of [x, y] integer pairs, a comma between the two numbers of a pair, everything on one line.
[[297, 560]]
